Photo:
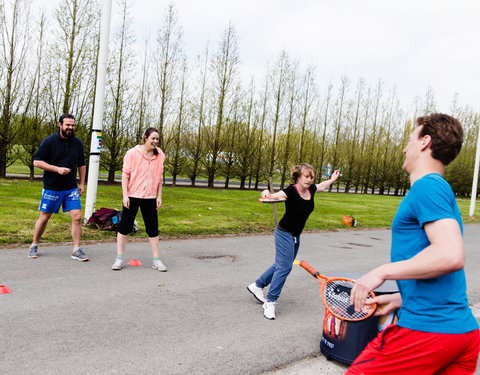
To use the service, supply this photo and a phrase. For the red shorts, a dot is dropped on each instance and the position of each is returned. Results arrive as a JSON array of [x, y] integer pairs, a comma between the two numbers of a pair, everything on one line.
[[398, 350]]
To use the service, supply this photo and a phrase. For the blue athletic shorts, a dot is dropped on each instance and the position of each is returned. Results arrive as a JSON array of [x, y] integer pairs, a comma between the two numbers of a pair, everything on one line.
[[53, 199]]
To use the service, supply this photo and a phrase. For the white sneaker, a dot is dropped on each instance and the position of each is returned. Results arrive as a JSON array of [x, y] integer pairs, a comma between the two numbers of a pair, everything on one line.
[[269, 310], [158, 265], [257, 292], [119, 264]]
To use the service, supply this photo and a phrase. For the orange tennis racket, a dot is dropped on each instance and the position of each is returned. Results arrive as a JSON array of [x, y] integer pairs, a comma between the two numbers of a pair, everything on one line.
[[272, 199], [335, 293]]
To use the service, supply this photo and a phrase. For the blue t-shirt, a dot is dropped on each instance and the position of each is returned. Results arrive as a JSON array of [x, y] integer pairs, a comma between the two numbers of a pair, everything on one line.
[[438, 304]]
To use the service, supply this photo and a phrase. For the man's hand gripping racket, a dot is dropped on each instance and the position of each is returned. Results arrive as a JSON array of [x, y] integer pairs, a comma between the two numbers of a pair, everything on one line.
[[335, 293]]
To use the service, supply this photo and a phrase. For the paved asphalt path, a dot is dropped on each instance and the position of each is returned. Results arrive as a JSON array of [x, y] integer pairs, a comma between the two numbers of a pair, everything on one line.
[[67, 317]]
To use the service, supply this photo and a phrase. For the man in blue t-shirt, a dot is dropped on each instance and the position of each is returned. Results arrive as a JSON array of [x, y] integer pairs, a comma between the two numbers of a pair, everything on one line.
[[60, 155], [436, 332]]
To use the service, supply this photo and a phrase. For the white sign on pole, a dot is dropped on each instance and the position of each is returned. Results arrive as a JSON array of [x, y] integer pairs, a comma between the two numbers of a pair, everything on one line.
[[96, 142]]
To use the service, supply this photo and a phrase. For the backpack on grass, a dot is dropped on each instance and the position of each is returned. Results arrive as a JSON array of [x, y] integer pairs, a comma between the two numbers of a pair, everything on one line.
[[105, 218]]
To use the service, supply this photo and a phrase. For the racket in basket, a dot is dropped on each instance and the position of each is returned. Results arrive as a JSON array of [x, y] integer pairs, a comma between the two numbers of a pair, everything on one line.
[[272, 199], [335, 293]]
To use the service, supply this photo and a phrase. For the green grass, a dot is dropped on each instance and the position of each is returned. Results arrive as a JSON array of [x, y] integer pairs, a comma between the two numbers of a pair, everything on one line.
[[195, 212], [19, 168]]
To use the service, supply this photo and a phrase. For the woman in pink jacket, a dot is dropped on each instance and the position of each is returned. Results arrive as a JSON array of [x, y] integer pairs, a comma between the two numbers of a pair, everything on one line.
[[141, 187]]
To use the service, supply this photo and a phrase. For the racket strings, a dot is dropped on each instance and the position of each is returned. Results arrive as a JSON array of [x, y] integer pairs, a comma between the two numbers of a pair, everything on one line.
[[336, 295]]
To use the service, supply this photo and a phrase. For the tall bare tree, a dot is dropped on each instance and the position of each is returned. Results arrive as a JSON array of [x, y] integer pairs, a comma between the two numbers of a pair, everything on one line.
[[321, 156], [459, 172], [308, 97], [279, 79], [224, 66], [351, 171], [288, 146], [177, 160], [33, 128], [429, 104], [261, 129], [363, 141], [142, 108], [14, 17], [195, 144], [383, 158], [118, 114], [232, 142], [167, 58], [247, 139], [372, 139], [337, 126], [71, 82]]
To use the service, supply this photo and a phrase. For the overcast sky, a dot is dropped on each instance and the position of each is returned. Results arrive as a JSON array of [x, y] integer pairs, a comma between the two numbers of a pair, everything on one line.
[[410, 44]]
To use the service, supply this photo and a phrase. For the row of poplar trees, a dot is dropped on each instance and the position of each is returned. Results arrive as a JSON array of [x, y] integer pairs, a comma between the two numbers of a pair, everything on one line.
[[214, 124]]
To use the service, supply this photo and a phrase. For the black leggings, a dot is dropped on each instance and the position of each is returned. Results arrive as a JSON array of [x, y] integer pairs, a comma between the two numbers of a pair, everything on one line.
[[148, 207]]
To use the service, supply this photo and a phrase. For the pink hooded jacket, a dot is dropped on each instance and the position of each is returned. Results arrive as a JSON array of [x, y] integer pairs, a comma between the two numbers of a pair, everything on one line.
[[144, 175]]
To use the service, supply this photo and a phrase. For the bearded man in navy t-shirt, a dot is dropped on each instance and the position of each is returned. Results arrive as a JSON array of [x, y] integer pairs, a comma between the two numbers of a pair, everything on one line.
[[60, 155]]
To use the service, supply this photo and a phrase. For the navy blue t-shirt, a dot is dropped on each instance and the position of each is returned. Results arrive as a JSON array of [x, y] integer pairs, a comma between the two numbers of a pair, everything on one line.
[[67, 153], [297, 210]]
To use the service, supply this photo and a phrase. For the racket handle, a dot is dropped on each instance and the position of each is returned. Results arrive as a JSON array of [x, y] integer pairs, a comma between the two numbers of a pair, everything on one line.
[[309, 268]]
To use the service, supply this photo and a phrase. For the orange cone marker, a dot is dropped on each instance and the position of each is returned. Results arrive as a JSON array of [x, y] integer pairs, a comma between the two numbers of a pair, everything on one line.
[[4, 290], [134, 262]]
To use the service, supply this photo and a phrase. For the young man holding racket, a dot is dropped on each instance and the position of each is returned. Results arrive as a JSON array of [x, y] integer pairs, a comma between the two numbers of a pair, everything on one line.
[[436, 332], [299, 205]]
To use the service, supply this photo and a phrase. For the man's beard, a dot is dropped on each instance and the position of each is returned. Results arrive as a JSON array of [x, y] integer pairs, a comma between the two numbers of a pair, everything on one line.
[[69, 133]]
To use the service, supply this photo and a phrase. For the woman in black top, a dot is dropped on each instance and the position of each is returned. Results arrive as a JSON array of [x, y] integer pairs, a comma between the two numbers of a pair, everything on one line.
[[298, 206]]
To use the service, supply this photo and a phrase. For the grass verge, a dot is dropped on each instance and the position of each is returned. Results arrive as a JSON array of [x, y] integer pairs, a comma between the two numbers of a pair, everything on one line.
[[196, 212]]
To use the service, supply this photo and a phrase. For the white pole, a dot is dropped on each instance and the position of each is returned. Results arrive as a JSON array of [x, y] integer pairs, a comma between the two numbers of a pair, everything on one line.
[[96, 142], [475, 176]]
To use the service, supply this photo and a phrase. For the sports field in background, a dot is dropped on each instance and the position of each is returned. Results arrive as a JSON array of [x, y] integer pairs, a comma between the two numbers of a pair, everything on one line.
[[196, 212]]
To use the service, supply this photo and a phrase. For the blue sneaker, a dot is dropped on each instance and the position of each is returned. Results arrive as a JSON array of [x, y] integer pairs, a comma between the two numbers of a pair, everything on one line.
[[79, 255], [33, 252]]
